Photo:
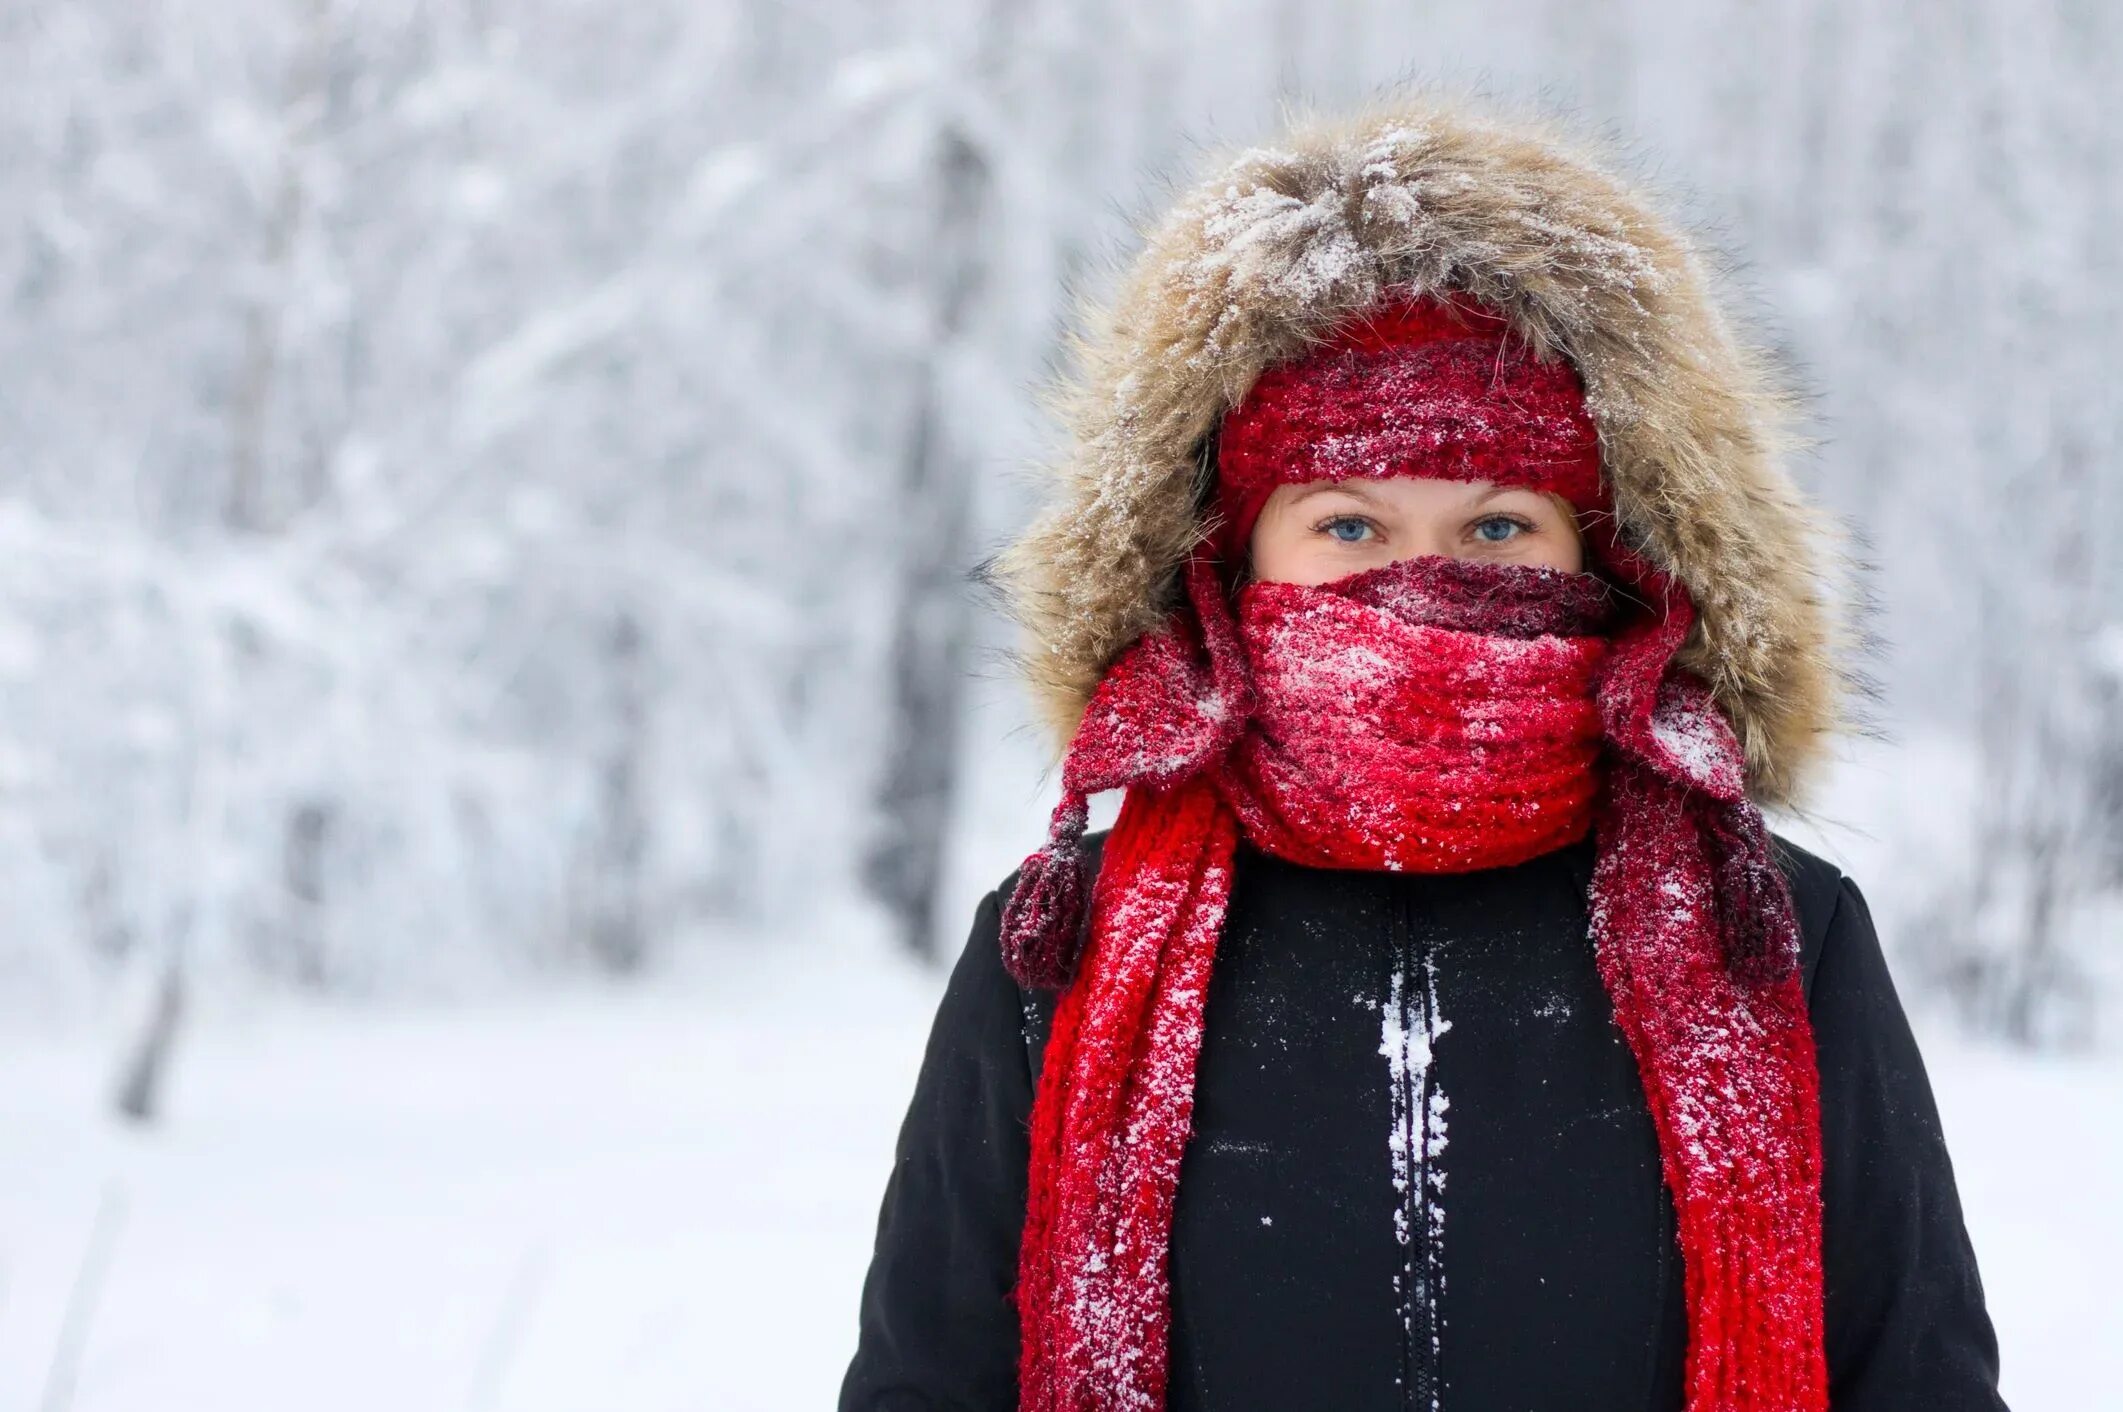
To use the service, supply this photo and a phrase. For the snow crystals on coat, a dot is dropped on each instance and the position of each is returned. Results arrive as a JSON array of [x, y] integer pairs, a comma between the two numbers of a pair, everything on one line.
[[1410, 1027]]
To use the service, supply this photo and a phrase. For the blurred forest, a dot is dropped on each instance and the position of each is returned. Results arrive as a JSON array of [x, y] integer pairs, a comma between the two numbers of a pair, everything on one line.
[[489, 489]]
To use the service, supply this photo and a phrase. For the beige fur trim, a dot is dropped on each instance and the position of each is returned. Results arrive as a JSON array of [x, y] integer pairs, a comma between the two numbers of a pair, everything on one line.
[[1279, 242]]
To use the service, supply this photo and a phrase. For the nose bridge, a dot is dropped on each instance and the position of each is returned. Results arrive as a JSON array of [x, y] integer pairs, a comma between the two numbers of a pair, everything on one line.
[[1433, 527]]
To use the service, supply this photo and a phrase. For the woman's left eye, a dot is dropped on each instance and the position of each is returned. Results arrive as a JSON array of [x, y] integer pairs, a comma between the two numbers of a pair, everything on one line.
[[1496, 529], [1349, 529]]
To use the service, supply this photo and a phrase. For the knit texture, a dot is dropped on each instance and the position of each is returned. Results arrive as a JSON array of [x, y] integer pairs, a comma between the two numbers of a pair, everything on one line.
[[1428, 715], [1415, 386]]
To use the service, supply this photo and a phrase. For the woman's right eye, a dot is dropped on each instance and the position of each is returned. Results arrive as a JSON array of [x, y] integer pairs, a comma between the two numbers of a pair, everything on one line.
[[1349, 529]]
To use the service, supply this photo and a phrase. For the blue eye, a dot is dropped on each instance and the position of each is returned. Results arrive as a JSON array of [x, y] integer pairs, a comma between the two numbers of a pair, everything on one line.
[[1357, 530], [1509, 526]]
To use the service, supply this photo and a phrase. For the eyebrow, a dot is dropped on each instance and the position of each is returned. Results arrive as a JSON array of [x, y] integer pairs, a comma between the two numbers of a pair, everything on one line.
[[1353, 486], [1359, 487]]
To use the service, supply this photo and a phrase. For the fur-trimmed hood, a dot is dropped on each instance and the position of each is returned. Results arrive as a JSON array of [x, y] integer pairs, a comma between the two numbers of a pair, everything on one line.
[[1280, 242]]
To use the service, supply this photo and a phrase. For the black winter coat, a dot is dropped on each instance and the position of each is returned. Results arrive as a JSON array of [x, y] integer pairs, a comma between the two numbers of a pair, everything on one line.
[[1554, 1234]]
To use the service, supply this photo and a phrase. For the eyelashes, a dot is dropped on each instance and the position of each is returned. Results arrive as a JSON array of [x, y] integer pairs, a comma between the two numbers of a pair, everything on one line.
[[1372, 530], [1523, 525], [1326, 527]]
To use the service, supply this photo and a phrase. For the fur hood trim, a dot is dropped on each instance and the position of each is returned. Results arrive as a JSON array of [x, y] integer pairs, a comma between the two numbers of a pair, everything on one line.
[[1279, 243]]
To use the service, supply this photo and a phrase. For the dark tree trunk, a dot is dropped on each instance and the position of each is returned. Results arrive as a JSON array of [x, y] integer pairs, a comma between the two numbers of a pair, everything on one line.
[[934, 620], [614, 922]]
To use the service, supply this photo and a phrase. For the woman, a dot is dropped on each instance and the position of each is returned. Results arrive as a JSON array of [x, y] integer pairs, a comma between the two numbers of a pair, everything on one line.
[[1439, 1025]]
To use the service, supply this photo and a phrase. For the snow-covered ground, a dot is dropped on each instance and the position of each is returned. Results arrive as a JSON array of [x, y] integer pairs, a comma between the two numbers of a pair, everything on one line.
[[661, 1201], [665, 1201]]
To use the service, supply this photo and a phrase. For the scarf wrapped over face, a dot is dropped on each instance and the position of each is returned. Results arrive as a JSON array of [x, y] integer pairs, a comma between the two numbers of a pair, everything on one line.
[[1430, 715]]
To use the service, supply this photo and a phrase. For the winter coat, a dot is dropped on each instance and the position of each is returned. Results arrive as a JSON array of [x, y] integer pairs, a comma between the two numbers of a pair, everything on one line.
[[1301, 1273], [1560, 1271]]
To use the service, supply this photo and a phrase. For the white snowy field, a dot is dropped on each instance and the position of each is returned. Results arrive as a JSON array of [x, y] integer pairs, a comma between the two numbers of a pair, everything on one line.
[[665, 1201]]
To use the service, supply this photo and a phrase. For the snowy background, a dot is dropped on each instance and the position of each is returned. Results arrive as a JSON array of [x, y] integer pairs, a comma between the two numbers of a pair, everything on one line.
[[496, 738]]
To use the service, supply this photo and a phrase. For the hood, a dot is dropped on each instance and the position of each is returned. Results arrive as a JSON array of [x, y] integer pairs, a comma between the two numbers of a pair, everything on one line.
[[1277, 243]]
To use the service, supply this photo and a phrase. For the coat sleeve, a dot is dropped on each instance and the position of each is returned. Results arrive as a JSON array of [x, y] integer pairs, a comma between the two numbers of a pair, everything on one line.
[[937, 1329], [1906, 1322]]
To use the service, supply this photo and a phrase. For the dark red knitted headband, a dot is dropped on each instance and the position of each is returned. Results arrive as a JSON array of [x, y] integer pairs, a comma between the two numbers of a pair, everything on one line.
[[1418, 385]]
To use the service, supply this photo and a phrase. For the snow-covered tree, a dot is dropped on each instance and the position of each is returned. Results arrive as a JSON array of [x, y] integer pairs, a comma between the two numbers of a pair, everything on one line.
[[491, 488]]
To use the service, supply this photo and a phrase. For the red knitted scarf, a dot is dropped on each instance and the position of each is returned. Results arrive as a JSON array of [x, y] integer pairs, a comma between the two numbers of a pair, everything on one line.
[[1428, 715]]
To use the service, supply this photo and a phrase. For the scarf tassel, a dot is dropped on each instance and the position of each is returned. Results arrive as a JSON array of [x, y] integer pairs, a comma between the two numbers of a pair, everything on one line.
[[1047, 921], [1754, 903]]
